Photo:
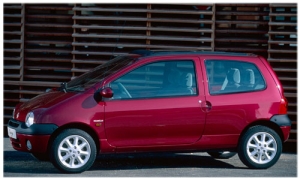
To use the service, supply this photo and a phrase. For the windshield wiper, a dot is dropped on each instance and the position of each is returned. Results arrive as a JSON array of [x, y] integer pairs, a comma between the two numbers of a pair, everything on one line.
[[79, 87], [63, 87]]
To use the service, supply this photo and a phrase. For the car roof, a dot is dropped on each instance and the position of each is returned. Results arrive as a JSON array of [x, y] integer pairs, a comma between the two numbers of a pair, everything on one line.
[[147, 53]]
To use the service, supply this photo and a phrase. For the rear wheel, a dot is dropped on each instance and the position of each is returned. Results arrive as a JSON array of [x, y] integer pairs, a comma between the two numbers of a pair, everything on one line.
[[260, 147], [222, 154], [73, 151]]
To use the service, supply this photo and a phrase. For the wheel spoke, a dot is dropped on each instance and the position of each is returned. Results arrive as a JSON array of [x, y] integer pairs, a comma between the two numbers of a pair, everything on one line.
[[62, 149], [271, 149], [252, 145], [64, 158], [260, 157], [82, 145], [84, 153], [76, 141], [81, 161], [270, 141], [256, 139], [68, 142], [263, 138], [253, 153], [267, 155], [72, 162]]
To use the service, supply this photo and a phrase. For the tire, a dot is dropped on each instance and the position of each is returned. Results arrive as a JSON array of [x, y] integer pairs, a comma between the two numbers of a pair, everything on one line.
[[260, 147], [222, 154], [40, 156], [73, 151]]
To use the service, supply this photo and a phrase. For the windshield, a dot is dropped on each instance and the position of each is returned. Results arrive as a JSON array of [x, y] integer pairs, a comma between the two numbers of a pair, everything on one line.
[[96, 75]]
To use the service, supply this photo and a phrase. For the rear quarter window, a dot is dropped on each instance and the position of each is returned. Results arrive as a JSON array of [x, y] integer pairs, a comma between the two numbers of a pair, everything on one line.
[[226, 77]]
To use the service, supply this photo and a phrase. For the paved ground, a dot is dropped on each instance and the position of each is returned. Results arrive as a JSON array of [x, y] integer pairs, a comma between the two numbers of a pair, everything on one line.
[[19, 164]]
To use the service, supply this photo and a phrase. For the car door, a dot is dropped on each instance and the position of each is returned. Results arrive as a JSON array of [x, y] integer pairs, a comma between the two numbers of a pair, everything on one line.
[[156, 103], [233, 95]]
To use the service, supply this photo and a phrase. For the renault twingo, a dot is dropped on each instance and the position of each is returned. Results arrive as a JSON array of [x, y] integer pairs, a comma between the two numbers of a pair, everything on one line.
[[146, 101]]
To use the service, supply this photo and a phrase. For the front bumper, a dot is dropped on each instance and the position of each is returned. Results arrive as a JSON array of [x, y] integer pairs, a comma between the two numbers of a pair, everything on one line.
[[38, 135]]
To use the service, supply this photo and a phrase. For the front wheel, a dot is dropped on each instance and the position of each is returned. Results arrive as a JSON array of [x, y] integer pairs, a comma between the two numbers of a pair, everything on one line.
[[260, 147], [73, 151]]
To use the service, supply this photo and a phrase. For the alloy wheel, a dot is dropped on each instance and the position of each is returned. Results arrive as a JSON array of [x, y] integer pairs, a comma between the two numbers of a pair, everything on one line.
[[74, 151], [261, 147]]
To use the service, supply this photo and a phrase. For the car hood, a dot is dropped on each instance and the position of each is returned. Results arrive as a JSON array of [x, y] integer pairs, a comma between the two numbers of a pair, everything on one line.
[[45, 100]]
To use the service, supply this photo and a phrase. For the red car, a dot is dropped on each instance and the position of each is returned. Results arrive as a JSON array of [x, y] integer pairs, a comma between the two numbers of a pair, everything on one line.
[[217, 102]]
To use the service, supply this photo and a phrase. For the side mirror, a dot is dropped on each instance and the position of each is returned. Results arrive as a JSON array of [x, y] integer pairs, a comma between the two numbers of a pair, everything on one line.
[[105, 92]]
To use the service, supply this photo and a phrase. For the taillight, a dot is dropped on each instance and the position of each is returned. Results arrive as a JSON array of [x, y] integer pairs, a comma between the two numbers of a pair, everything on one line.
[[283, 106]]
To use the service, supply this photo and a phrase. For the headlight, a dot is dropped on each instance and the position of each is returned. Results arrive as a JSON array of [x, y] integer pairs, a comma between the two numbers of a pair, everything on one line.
[[29, 119]]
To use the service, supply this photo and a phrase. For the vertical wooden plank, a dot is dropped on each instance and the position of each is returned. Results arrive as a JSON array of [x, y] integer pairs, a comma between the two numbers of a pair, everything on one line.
[[148, 32], [74, 40], [22, 48], [213, 37], [270, 29], [22, 42]]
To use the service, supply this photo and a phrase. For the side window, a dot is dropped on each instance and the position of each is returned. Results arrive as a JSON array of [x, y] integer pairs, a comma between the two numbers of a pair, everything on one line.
[[233, 77], [159, 79]]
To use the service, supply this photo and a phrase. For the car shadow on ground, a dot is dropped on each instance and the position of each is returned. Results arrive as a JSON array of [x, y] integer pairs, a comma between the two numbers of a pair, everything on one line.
[[20, 162], [158, 160]]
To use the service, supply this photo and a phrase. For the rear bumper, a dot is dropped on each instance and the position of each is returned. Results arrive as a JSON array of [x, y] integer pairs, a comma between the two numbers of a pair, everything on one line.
[[284, 122], [38, 135], [285, 132]]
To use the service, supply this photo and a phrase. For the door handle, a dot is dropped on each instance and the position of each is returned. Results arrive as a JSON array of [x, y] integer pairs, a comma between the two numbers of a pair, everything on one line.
[[206, 106]]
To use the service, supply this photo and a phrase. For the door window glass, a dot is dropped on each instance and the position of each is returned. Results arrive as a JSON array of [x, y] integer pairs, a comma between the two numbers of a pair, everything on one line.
[[233, 77], [159, 79]]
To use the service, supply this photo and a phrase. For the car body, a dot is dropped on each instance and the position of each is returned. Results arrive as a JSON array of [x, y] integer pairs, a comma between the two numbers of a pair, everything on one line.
[[159, 101]]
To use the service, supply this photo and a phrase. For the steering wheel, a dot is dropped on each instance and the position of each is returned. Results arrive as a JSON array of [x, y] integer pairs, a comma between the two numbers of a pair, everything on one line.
[[123, 89]]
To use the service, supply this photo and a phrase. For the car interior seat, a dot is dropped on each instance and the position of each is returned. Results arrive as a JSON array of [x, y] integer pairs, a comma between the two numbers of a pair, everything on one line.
[[180, 83], [250, 78], [232, 80]]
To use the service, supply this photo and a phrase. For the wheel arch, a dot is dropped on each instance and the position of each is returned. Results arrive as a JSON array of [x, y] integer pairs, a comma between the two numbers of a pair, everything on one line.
[[81, 126], [263, 122]]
